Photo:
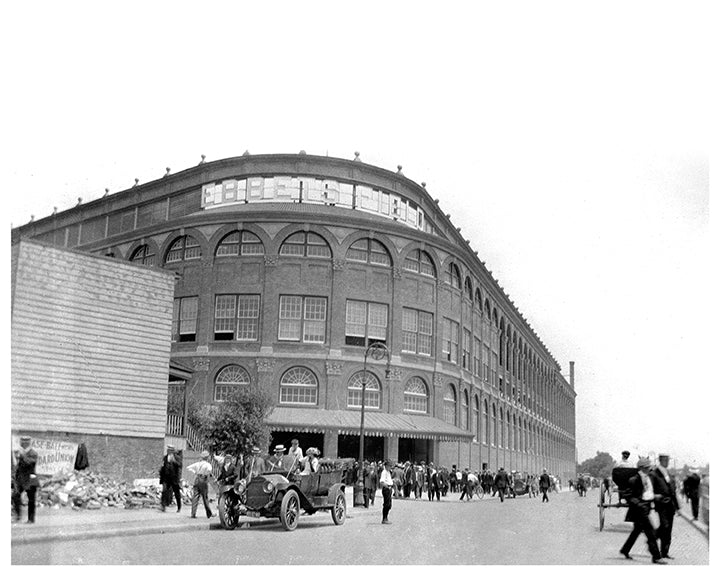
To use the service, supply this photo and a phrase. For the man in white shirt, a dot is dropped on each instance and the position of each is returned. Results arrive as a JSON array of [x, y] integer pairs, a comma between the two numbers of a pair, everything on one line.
[[202, 470], [640, 502], [386, 483]]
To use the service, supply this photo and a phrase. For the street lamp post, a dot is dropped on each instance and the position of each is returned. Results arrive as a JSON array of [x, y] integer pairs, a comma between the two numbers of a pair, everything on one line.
[[378, 351]]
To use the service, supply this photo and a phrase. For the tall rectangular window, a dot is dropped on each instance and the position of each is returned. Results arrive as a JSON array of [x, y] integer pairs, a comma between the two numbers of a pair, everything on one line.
[[486, 363], [477, 357], [450, 340], [467, 349], [302, 318], [417, 329], [494, 370], [185, 311], [365, 323], [237, 317]]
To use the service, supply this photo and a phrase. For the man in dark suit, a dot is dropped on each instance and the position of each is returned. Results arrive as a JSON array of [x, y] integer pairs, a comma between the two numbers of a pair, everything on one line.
[[544, 485], [666, 502], [170, 476], [501, 483], [640, 499], [691, 487], [255, 465], [24, 478]]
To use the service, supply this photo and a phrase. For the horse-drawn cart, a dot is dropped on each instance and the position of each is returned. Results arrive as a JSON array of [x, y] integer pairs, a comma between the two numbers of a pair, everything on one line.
[[617, 485]]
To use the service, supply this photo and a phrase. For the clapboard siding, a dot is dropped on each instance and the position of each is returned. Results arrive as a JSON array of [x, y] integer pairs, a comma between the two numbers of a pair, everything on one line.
[[90, 344]]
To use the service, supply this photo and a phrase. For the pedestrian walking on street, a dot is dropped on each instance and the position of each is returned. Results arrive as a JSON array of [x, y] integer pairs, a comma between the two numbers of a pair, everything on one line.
[[640, 499], [170, 474], [691, 488], [24, 478], [203, 472], [544, 485], [666, 503], [386, 483], [501, 483]]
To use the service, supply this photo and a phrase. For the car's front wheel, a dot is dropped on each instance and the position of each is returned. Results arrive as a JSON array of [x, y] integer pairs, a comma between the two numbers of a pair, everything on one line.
[[339, 509], [290, 510], [228, 511]]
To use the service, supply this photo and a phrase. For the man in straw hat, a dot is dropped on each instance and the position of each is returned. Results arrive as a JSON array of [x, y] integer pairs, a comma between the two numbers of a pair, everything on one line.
[[203, 471], [24, 478], [279, 460], [255, 465], [640, 501], [666, 502]]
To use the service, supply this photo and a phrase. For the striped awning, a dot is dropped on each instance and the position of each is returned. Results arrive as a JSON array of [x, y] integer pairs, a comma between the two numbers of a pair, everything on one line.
[[290, 419]]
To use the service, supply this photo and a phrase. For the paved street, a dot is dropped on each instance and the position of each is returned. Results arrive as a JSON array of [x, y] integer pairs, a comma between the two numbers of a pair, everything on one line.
[[520, 531]]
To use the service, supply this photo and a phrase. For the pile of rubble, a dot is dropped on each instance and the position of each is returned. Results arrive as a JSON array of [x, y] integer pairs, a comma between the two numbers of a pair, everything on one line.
[[84, 490]]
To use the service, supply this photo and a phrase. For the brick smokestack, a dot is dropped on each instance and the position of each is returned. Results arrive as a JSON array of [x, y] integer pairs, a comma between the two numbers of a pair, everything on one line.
[[572, 374]]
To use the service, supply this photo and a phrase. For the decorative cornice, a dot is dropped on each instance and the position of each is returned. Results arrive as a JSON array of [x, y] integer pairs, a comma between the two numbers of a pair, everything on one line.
[[201, 364], [338, 263], [334, 368], [270, 260], [394, 374], [265, 364], [438, 380], [397, 272]]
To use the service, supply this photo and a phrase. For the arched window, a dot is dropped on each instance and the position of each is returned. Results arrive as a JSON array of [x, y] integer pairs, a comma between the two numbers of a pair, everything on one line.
[[515, 433], [240, 243], [143, 255], [306, 244], [487, 422], [450, 405], [416, 396], [464, 409], [493, 438], [452, 275], [372, 391], [229, 380], [476, 419], [298, 386], [468, 289], [183, 248], [419, 261], [369, 251], [501, 441], [478, 300]]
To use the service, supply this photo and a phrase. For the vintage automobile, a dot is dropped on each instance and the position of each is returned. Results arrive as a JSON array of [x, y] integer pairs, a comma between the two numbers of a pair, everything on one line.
[[283, 494]]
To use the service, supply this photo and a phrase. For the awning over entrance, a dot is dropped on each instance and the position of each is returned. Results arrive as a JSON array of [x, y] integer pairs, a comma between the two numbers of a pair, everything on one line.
[[376, 423]]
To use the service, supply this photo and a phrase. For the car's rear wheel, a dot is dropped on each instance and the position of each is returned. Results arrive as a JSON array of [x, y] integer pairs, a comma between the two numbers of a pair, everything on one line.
[[339, 509], [290, 510], [228, 511]]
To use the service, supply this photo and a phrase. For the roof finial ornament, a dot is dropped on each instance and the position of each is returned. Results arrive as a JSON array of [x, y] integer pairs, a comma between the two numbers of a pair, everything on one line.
[[302, 153], [399, 169], [202, 159], [107, 191], [357, 157], [137, 181], [79, 201], [167, 172], [246, 153], [54, 210], [423, 184], [32, 217]]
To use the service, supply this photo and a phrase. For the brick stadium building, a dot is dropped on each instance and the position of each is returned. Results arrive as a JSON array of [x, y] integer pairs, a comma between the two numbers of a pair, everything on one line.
[[289, 266]]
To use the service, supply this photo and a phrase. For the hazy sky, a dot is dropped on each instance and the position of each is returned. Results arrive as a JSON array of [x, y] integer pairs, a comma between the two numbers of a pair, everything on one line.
[[570, 145]]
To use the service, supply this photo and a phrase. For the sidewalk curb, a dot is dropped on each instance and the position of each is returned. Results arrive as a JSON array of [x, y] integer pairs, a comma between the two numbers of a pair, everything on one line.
[[699, 526]]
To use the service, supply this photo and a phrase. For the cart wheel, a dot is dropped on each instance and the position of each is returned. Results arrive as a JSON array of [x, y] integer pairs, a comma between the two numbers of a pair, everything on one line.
[[290, 510], [228, 511], [601, 507], [338, 510]]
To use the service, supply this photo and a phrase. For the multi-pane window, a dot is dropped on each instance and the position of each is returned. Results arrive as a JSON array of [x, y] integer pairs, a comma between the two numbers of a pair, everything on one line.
[[417, 329], [143, 255], [494, 369], [365, 323], [372, 391], [486, 363], [185, 312], [240, 244], [487, 422], [306, 244], [419, 261], [298, 386], [477, 357], [237, 317], [369, 251], [302, 319], [229, 380], [493, 438], [450, 340], [467, 349], [416, 396], [468, 289], [183, 248], [450, 405], [452, 275], [464, 409], [476, 419]]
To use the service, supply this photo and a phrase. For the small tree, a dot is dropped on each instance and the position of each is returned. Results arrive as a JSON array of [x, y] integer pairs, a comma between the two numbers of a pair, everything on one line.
[[599, 466], [236, 425]]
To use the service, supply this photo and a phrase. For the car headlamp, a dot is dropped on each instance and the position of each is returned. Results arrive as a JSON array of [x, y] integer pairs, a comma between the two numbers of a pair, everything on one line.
[[268, 487]]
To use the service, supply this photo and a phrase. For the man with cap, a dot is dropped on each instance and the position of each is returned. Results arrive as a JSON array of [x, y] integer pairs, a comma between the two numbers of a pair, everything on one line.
[[203, 471], [170, 474], [544, 485], [640, 499], [666, 502], [24, 478], [501, 483], [691, 487], [625, 462], [255, 465], [386, 484]]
